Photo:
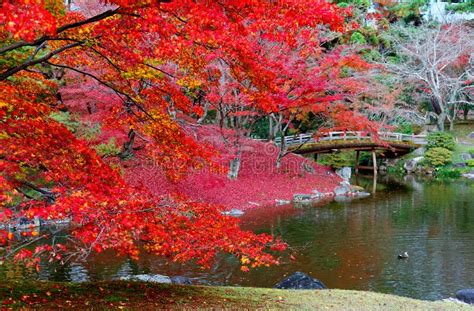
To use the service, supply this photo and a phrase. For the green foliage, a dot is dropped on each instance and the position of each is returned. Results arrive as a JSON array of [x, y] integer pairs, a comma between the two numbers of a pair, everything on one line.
[[261, 128], [337, 160], [441, 140], [371, 55], [82, 130], [109, 149], [470, 163], [358, 38], [438, 156], [448, 172], [465, 7], [471, 151], [408, 128]]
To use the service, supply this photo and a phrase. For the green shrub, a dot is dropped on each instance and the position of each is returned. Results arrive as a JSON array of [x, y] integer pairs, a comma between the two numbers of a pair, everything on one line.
[[438, 156], [466, 7], [441, 140], [470, 163], [87, 131], [337, 160], [448, 173], [358, 38], [109, 149]]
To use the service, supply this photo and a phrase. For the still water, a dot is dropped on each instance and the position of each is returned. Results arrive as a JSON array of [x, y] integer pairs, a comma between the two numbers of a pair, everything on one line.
[[348, 245]]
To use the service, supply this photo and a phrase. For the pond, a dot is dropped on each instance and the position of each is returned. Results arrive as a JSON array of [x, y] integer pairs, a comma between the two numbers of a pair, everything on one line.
[[347, 245]]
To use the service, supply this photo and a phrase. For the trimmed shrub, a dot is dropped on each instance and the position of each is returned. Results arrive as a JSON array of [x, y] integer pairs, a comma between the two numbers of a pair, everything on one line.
[[438, 156], [441, 140], [470, 163], [109, 149]]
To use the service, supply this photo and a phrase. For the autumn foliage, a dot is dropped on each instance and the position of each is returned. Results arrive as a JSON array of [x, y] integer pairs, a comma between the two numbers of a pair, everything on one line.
[[152, 68]]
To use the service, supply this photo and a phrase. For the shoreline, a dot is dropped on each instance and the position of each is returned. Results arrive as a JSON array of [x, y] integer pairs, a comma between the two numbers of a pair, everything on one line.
[[141, 295]]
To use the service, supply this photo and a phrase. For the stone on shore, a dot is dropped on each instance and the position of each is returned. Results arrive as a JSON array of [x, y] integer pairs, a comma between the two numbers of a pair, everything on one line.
[[300, 280], [466, 295]]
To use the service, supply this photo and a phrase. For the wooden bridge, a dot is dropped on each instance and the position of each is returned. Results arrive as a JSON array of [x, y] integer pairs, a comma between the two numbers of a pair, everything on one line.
[[387, 144]]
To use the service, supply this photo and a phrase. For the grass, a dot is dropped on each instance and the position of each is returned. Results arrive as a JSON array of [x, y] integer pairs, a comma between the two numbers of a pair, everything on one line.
[[137, 295], [464, 143]]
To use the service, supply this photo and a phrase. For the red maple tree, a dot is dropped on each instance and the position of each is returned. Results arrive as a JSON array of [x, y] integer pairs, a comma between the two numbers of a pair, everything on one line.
[[150, 61]]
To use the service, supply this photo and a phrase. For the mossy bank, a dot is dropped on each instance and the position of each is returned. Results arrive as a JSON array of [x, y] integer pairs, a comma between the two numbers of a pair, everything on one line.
[[138, 295]]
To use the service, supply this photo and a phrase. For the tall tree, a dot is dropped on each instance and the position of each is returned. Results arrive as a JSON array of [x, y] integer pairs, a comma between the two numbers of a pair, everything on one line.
[[151, 61]]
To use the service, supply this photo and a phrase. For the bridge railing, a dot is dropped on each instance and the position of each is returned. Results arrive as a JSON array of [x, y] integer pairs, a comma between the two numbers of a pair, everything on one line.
[[351, 135]]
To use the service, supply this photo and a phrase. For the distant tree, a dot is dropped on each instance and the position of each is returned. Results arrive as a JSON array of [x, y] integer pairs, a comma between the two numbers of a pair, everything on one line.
[[439, 61]]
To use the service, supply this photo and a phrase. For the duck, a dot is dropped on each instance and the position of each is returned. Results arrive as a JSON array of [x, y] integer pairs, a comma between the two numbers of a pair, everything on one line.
[[403, 256]]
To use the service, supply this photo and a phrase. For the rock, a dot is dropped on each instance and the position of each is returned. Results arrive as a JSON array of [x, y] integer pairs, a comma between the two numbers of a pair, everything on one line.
[[181, 280], [468, 175], [466, 295], [342, 189], [419, 151], [344, 172], [459, 165], [465, 157], [305, 198], [233, 212], [471, 135], [361, 194], [300, 280], [281, 202], [154, 278], [411, 165]]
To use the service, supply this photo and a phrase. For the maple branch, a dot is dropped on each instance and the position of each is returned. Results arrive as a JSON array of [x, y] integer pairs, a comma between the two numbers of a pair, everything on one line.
[[9, 72], [118, 92], [61, 29], [160, 70]]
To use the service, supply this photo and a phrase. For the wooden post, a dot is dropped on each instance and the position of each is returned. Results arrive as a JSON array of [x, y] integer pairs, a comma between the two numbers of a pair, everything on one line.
[[374, 160], [357, 162]]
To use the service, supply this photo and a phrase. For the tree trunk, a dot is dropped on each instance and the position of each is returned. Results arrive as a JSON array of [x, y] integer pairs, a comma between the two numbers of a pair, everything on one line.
[[441, 119], [234, 166], [281, 151]]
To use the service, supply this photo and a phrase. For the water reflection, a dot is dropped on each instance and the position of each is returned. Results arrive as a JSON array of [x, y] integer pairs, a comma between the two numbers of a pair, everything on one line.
[[350, 245]]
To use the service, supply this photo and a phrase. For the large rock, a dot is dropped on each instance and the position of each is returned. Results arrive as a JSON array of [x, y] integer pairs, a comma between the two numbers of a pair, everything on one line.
[[471, 135], [466, 295], [411, 165], [153, 278], [419, 151], [465, 157], [343, 189], [344, 172], [306, 198], [300, 280], [158, 278], [181, 280]]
